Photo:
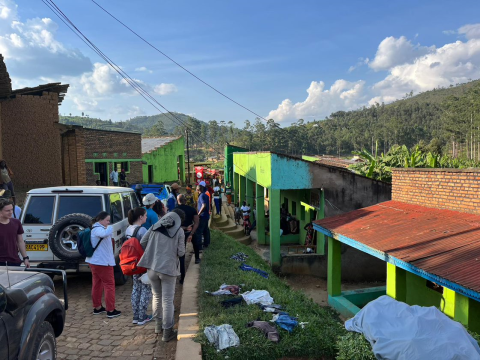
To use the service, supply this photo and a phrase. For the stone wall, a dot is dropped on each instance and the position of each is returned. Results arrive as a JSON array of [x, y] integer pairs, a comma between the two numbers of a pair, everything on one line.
[[30, 140], [451, 189]]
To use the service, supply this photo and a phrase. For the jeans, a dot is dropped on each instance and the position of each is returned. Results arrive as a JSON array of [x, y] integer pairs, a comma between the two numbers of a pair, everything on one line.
[[103, 280], [182, 258], [204, 230], [217, 205], [141, 295], [9, 186], [163, 288]]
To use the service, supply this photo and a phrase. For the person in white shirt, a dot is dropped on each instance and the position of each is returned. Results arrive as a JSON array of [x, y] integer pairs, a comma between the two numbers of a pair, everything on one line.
[[217, 193], [114, 177], [102, 263], [245, 209]]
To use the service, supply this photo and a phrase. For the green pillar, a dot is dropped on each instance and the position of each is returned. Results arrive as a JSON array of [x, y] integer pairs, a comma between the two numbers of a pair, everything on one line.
[[242, 189], [274, 219], [260, 191], [249, 192], [462, 309], [334, 275], [235, 187], [396, 283]]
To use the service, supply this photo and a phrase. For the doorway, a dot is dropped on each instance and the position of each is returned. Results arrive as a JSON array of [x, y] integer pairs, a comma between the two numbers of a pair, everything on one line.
[[101, 168], [150, 174]]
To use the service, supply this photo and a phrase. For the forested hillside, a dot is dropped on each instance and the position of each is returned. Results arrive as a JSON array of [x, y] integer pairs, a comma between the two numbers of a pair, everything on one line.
[[448, 119]]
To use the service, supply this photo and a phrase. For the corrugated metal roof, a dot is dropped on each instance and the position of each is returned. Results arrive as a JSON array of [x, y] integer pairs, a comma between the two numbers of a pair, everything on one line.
[[440, 242], [151, 144]]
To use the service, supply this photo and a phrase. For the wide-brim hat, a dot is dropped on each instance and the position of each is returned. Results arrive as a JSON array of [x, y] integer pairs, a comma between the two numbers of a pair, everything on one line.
[[170, 223], [149, 199], [175, 186]]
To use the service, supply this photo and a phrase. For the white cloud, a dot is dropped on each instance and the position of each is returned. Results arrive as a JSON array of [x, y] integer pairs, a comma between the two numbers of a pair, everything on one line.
[[471, 31], [392, 52], [320, 101], [360, 62], [165, 89], [449, 32], [143, 69]]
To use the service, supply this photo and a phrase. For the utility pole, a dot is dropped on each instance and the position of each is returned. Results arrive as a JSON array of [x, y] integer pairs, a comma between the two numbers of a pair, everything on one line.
[[188, 158]]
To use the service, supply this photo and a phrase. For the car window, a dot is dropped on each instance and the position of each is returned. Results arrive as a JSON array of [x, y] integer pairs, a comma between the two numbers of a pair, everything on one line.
[[135, 203], [116, 214], [39, 210], [90, 205], [127, 205]]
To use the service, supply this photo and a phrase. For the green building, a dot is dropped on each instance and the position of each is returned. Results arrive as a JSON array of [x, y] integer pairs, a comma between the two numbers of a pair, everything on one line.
[[163, 159], [308, 191], [431, 252], [228, 164]]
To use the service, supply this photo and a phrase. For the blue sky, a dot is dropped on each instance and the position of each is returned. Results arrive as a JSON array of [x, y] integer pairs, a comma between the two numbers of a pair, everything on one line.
[[265, 55]]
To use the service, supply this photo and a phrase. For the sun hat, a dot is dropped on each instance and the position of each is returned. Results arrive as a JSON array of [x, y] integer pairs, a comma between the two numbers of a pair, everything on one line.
[[149, 199], [175, 186]]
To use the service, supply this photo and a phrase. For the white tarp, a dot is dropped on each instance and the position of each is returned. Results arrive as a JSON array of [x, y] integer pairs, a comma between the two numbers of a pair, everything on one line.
[[402, 332], [222, 336], [257, 297]]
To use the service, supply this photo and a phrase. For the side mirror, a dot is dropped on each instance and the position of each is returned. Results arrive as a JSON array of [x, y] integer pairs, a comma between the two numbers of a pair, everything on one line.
[[3, 299]]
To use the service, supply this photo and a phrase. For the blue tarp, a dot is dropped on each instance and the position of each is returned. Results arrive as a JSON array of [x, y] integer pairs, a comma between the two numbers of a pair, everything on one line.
[[158, 190]]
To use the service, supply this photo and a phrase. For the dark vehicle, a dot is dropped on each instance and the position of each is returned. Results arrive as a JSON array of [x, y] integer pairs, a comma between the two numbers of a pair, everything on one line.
[[31, 315]]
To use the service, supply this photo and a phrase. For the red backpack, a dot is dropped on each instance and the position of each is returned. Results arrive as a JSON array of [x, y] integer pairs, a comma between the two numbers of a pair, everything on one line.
[[130, 255]]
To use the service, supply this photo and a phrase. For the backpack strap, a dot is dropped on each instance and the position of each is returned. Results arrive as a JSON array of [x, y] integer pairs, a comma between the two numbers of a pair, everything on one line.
[[135, 232]]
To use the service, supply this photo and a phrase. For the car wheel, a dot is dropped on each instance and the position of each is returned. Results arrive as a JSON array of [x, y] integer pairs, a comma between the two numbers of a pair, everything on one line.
[[45, 347], [63, 236]]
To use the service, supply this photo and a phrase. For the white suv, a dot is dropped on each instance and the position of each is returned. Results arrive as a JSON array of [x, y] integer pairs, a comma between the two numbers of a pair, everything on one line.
[[52, 218]]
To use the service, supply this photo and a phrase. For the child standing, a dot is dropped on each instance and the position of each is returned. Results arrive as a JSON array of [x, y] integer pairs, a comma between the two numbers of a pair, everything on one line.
[[141, 293]]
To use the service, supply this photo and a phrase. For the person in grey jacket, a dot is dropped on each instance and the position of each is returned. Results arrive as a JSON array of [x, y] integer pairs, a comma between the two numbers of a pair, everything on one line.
[[164, 243]]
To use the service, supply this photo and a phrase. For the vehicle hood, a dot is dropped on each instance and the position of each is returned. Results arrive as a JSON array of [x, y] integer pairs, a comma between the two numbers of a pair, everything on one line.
[[16, 276]]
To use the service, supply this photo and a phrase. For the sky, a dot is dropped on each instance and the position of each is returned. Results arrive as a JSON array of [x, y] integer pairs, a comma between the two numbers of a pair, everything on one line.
[[285, 60]]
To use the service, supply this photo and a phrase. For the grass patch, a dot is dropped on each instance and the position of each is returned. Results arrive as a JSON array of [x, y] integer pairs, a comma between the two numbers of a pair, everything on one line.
[[316, 341]]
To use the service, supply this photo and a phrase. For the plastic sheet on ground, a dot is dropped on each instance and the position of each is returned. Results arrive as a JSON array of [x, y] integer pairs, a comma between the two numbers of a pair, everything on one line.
[[285, 321], [399, 331], [257, 297], [222, 336], [226, 290]]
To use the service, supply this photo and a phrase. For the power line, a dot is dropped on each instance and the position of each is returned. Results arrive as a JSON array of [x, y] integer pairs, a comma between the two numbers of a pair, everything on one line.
[[144, 93], [179, 65]]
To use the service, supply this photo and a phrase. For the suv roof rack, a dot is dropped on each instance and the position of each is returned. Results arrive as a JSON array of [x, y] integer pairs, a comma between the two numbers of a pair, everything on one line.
[[67, 191]]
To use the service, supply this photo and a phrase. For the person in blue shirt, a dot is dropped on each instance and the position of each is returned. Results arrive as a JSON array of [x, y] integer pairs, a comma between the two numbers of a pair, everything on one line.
[[149, 201], [172, 198], [203, 209]]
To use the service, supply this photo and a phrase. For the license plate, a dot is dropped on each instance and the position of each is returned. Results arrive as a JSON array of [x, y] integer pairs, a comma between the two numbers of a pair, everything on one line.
[[36, 247]]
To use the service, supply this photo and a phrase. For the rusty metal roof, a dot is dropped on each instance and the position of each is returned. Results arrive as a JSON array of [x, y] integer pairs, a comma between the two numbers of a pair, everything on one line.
[[440, 245]]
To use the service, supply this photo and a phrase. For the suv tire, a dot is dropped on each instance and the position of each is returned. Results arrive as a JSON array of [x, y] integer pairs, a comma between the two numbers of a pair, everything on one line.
[[45, 346], [62, 237]]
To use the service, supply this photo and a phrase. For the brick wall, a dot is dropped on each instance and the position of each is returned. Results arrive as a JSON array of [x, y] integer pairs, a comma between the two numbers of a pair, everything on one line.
[[30, 140], [73, 152], [451, 189]]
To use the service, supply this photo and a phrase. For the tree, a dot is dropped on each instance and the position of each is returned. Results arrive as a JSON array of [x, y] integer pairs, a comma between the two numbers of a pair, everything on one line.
[[156, 130]]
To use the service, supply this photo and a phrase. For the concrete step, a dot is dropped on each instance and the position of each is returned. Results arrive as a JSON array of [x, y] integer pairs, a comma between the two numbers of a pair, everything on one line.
[[230, 226], [220, 221], [246, 240], [237, 233]]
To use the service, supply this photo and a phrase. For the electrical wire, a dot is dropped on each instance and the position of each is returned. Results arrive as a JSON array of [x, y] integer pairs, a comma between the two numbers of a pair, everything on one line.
[[129, 80], [179, 65]]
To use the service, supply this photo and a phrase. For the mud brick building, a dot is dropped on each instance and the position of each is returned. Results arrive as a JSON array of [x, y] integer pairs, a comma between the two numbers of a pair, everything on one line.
[[90, 155], [30, 140]]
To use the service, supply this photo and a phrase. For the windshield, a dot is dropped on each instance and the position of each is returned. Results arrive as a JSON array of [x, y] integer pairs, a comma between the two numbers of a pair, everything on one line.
[[90, 205]]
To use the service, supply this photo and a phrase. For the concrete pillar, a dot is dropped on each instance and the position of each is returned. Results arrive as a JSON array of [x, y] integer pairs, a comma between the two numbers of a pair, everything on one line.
[[321, 215], [235, 186], [274, 219], [249, 192], [260, 191], [242, 190], [181, 165], [396, 283], [334, 275]]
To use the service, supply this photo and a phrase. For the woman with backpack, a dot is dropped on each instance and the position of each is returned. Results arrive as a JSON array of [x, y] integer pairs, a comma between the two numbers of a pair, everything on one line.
[[141, 293], [164, 243], [102, 263]]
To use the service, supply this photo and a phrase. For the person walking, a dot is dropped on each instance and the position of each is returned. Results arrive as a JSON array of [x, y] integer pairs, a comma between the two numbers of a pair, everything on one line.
[[114, 176], [189, 197], [149, 201], [203, 210], [11, 239], [6, 175], [217, 193], [141, 293], [172, 198], [102, 263], [123, 178], [228, 192], [164, 243], [189, 226]]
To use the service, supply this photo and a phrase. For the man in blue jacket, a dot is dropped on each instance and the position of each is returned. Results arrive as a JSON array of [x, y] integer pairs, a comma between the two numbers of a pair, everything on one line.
[[172, 198]]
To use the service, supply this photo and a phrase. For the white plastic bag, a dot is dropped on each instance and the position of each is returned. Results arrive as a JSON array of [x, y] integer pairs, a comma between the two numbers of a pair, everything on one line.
[[144, 279]]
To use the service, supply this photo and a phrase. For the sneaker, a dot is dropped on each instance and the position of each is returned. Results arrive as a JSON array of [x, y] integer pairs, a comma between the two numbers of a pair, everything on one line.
[[135, 321], [144, 321], [114, 313], [99, 311], [197, 261]]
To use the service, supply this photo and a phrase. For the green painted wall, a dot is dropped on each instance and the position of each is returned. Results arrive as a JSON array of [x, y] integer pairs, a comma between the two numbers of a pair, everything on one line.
[[228, 164], [164, 161]]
